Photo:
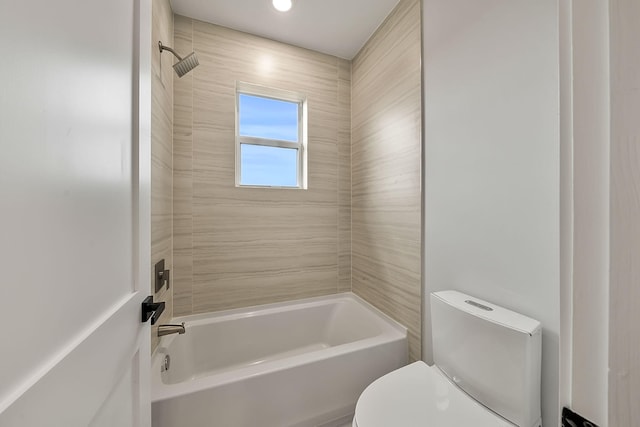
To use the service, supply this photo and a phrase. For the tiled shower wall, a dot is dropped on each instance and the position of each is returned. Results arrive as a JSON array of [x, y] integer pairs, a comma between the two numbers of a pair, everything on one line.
[[161, 149], [237, 247], [624, 318], [386, 170]]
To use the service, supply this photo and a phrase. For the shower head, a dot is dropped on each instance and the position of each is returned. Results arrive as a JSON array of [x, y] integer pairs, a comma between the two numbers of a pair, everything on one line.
[[187, 64], [184, 65]]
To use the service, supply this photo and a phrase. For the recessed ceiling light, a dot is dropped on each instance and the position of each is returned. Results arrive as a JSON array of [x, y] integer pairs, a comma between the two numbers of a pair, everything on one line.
[[282, 5]]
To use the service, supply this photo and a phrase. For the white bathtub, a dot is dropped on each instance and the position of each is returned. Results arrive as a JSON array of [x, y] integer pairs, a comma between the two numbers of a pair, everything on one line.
[[302, 363]]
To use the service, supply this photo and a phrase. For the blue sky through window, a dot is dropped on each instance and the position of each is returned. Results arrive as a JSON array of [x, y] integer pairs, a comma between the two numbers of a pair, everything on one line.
[[268, 118], [263, 165]]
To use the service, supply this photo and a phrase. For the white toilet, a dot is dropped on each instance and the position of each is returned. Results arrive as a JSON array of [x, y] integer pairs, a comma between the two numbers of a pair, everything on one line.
[[486, 372]]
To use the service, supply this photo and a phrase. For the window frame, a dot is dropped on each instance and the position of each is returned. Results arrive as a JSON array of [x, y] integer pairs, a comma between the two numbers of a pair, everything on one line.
[[300, 99]]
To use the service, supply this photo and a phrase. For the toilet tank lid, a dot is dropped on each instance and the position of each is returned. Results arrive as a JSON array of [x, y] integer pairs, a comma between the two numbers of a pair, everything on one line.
[[488, 311]]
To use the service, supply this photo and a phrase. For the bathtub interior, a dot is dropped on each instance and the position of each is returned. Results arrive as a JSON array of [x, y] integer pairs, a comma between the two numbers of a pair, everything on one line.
[[295, 364], [233, 340]]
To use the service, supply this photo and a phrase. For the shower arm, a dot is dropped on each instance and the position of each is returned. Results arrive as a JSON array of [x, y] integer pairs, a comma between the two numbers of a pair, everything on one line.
[[162, 47]]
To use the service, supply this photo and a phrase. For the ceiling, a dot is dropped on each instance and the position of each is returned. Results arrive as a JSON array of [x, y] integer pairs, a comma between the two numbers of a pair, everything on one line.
[[336, 27]]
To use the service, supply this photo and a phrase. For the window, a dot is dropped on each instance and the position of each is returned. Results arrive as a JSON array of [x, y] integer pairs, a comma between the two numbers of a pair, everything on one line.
[[270, 137]]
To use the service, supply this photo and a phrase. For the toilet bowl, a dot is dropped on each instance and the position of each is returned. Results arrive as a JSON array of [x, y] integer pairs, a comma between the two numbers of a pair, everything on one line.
[[486, 372], [422, 396]]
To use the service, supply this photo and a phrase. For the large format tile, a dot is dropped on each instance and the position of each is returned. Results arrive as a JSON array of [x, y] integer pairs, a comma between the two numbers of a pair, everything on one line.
[[162, 152], [234, 246], [386, 170]]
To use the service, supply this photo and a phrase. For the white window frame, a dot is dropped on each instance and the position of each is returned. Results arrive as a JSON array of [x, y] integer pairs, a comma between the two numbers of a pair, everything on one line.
[[301, 145]]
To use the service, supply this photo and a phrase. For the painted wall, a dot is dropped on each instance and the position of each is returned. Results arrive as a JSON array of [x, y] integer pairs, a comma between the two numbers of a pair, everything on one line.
[[624, 320], [386, 165], [161, 152], [237, 247], [492, 162]]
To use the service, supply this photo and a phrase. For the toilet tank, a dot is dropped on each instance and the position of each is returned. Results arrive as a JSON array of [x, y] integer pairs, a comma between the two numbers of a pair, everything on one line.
[[492, 353]]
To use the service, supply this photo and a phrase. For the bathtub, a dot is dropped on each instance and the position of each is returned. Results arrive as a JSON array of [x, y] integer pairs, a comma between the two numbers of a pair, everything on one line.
[[301, 363]]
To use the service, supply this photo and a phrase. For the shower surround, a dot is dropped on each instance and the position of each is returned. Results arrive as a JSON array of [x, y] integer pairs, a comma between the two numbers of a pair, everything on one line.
[[236, 247]]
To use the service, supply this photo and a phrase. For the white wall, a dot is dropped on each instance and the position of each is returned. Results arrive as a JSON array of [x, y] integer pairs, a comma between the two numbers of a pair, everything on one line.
[[492, 162]]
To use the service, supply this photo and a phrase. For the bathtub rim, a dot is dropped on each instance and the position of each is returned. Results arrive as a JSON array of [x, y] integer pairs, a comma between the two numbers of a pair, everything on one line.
[[254, 310], [392, 332]]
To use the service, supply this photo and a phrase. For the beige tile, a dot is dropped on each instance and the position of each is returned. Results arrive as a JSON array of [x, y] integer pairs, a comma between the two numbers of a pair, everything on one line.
[[233, 246], [624, 293], [183, 176], [237, 247], [385, 170], [344, 176], [162, 152]]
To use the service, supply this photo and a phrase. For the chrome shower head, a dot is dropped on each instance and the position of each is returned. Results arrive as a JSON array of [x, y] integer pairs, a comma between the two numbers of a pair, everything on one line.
[[184, 65]]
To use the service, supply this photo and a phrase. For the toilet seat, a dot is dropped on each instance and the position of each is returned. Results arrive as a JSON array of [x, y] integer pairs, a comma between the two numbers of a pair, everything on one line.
[[422, 396]]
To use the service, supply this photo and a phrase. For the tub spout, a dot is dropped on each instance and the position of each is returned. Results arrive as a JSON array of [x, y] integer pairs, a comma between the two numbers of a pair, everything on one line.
[[170, 329]]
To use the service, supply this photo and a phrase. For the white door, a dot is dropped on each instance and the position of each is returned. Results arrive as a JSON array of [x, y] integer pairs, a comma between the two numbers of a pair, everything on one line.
[[74, 212]]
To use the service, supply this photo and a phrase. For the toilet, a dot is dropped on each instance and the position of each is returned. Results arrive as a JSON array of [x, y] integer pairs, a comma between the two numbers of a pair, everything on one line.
[[486, 372]]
